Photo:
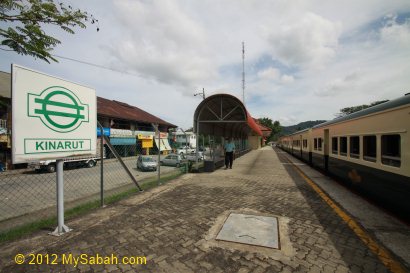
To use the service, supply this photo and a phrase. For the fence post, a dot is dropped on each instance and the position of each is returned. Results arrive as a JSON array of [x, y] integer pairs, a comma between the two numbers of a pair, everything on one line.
[[159, 157], [102, 165], [156, 127]]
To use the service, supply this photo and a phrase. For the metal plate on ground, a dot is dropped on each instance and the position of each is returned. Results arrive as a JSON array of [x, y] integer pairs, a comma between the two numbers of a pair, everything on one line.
[[251, 230]]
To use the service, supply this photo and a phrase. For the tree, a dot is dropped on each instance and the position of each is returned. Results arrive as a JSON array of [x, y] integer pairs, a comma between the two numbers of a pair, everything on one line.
[[277, 128], [349, 110], [267, 122], [26, 20], [274, 126]]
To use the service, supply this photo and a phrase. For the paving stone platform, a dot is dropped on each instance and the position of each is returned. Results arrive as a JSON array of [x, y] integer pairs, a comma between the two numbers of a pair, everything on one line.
[[175, 226]]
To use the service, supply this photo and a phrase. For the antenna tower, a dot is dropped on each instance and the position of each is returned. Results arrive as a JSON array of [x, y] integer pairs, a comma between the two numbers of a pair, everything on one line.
[[243, 72]]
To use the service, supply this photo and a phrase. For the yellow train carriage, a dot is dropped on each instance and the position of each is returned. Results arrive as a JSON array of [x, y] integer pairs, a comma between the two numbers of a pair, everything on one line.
[[369, 150]]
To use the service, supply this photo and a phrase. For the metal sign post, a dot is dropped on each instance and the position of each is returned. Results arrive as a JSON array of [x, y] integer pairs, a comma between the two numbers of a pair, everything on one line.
[[52, 119], [61, 228]]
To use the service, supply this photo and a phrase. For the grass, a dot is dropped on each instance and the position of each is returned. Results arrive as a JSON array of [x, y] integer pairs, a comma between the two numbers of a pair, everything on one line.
[[20, 231]]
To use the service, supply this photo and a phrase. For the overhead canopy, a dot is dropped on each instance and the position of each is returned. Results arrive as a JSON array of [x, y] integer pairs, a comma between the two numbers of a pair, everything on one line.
[[224, 115]]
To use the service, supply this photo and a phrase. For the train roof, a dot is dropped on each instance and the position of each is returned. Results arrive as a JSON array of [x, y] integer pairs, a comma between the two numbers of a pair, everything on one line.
[[299, 132], [371, 110]]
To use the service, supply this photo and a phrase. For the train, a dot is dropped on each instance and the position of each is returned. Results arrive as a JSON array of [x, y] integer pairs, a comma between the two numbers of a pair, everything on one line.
[[369, 151]]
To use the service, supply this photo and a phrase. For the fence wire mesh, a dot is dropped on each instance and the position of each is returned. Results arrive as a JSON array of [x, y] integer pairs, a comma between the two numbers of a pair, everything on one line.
[[28, 195]]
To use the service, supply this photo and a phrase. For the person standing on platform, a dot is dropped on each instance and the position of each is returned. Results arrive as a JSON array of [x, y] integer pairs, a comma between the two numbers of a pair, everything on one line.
[[229, 148]]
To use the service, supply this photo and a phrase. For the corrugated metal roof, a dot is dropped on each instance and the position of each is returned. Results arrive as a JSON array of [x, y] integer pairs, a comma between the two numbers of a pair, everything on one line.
[[224, 115], [121, 110], [368, 111]]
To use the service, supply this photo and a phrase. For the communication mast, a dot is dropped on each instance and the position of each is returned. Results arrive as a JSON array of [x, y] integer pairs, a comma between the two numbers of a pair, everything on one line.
[[243, 73]]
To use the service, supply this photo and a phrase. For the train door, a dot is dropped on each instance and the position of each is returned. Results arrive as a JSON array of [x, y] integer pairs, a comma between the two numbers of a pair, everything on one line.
[[326, 149], [291, 145]]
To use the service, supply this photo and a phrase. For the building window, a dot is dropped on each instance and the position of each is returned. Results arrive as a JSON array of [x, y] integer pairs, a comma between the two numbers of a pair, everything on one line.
[[391, 150], [369, 148], [334, 145], [343, 146], [315, 144], [319, 144], [355, 146]]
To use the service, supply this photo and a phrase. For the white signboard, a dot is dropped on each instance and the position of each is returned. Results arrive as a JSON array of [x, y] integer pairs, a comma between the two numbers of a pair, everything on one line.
[[51, 118], [121, 133]]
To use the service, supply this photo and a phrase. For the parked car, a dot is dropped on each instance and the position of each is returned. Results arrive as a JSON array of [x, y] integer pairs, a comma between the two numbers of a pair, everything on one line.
[[146, 163], [173, 160], [192, 156], [184, 150]]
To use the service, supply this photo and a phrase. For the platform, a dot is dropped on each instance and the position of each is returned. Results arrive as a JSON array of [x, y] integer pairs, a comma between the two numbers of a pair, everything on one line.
[[176, 226]]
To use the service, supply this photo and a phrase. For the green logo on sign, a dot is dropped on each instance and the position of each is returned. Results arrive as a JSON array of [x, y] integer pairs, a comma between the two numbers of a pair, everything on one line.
[[58, 108]]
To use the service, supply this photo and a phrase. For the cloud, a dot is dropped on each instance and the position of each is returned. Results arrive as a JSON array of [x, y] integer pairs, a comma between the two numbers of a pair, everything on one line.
[[339, 85], [269, 74], [273, 74], [309, 41], [395, 35], [287, 79], [305, 59], [162, 42]]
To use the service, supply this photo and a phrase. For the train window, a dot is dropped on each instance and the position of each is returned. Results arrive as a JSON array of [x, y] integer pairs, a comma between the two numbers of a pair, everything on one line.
[[369, 148], [334, 145], [391, 150], [343, 146], [355, 146], [319, 144], [315, 143], [305, 143]]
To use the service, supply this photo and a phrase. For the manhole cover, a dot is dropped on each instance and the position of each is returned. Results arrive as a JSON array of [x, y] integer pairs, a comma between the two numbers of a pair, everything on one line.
[[251, 230]]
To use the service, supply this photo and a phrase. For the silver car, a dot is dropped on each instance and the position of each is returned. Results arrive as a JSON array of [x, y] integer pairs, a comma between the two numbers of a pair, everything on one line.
[[173, 160], [146, 163], [192, 156]]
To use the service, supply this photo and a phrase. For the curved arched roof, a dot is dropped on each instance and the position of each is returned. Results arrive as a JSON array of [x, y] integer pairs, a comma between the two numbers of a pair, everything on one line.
[[224, 115]]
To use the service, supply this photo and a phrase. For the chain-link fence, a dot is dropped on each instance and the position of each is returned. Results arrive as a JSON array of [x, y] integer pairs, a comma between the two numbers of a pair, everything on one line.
[[28, 195], [127, 163]]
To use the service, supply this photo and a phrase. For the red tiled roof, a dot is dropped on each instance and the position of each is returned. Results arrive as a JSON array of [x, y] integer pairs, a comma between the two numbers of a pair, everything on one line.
[[265, 130], [262, 127], [121, 110], [253, 124]]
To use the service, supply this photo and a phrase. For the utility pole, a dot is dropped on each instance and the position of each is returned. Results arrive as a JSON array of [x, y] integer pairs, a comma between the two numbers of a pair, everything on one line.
[[201, 93], [243, 73]]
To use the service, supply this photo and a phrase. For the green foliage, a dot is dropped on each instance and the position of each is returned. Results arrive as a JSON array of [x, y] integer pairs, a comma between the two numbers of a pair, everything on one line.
[[25, 20], [266, 122], [274, 126], [349, 110]]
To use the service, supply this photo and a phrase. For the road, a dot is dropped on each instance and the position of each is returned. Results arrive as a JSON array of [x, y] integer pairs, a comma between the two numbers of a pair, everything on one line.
[[24, 191]]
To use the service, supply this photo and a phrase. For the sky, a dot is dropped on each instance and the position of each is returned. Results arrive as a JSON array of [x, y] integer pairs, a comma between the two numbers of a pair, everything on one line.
[[304, 59]]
